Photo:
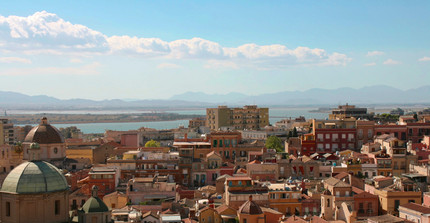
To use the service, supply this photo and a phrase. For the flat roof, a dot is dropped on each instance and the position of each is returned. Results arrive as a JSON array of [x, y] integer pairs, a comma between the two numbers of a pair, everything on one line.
[[191, 144]]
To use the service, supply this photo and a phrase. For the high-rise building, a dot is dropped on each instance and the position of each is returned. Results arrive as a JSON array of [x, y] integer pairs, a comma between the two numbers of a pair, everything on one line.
[[249, 117]]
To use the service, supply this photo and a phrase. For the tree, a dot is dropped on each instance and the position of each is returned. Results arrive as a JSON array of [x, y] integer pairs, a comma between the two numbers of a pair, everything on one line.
[[295, 132], [152, 143], [273, 142]]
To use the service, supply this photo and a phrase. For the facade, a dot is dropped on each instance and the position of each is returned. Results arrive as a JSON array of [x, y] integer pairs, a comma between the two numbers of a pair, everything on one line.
[[249, 117]]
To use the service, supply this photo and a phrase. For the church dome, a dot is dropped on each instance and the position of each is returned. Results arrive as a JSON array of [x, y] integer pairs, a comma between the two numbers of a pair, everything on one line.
[[94, 203], [44, 133], [34, 177], [250, 207]]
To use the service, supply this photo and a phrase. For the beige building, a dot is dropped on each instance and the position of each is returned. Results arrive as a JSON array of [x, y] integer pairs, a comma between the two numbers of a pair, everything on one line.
[[249, 117], [34, 192]]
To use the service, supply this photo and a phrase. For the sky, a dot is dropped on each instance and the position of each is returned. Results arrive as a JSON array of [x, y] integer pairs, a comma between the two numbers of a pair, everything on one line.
[[157, 49]]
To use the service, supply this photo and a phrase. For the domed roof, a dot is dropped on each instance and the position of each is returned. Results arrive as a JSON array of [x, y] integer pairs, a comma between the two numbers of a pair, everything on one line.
[[94, 204], [250, 207], [34, 177], [44, 134]]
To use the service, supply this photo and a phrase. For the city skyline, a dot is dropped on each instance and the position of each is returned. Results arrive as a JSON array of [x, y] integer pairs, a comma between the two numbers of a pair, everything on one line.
[[149, 50]]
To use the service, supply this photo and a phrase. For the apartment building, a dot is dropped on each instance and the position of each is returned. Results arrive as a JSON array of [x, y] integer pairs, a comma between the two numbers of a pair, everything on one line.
[[249, 117]]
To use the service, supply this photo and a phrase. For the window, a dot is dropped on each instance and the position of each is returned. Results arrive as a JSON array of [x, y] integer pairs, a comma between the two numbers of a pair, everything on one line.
[[337, 193], [327, 146], [8, 209], [411, 201], [57, 207], [396, 205], [55, 150], [220, 143], [327, 136], [343, 136], [328, 203], [215, 143]]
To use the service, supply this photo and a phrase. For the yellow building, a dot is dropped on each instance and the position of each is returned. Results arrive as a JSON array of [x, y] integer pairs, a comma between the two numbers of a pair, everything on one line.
[[285, 199], [249, 117], [390, 198]]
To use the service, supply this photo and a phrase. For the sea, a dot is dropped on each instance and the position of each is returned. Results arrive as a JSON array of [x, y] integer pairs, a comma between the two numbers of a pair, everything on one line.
[[275, 115]]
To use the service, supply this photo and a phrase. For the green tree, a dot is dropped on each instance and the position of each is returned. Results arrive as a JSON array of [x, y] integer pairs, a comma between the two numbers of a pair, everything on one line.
[[152, 143], [295, 132], [273, 142]]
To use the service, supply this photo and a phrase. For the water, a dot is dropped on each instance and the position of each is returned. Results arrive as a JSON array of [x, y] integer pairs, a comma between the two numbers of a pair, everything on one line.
[[276, 114]]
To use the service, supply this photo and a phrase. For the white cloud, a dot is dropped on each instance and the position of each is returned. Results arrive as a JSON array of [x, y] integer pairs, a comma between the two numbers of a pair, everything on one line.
[[369, 64], [90, 69], [391, 62], [168, 66], [14, 60], [375, 53], [424, 59], [217, 64], [45, 32]]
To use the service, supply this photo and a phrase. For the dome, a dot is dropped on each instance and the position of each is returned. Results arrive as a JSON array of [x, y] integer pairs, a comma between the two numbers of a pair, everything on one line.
[[44, 134], [34, 177], [250, 207], [94, 204]]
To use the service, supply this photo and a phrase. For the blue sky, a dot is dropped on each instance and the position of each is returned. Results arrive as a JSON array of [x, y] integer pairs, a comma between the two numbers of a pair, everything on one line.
[[156, 49]]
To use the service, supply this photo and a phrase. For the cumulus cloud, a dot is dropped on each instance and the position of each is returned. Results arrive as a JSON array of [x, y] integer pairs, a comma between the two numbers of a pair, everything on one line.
[[424, 59], [375, 53], [369, 64], [89, 69], [45, 32], [391, 62], [14, 60], [168, 66]]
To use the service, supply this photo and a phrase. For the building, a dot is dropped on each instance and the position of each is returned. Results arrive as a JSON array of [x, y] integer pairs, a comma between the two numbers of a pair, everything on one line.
[[414, 212], [285, 198], [94, 210], [45, 142], [35, 191], [250, 212], [349, 111], [249, 117]]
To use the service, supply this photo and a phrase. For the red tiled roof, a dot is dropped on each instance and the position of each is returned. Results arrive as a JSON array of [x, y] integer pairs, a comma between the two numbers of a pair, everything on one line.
[[382, 179], [416, 207]]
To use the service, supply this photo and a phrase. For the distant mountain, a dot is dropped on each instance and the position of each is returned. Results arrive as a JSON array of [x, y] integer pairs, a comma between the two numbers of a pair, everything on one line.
[[379, 94], [13, 100]]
